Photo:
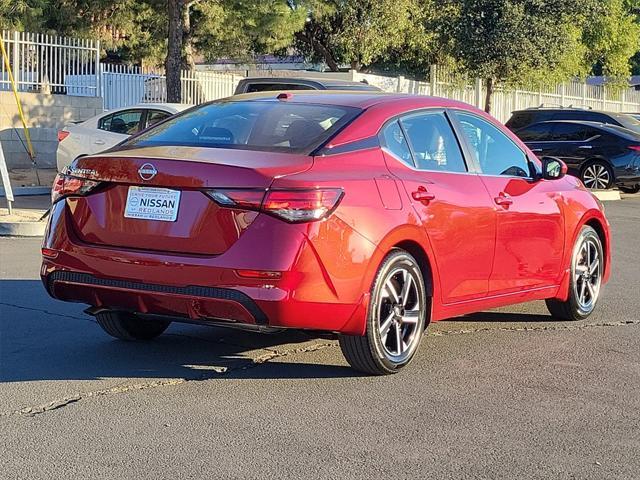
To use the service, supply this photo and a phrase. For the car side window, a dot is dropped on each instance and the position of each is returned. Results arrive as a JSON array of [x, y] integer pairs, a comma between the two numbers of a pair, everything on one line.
[[568, 132], [155, 116], [540, 132], [496, 153], [394, 140], [126, 122], [434, 144]]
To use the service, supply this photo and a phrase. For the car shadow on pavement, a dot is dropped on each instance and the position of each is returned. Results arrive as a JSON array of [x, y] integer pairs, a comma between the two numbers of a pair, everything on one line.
[[44, 339]]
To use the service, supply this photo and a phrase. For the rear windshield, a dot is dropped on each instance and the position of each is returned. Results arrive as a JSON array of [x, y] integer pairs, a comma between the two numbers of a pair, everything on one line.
[[249, 125], [628, 121]]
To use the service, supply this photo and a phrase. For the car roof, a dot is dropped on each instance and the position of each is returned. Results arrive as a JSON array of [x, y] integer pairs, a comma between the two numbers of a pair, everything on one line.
[[358, 99], [328, 83], [563, 109]]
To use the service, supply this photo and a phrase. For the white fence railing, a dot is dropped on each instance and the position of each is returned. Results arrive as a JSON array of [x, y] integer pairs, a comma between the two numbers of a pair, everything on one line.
[[573, 93], [46, 63]]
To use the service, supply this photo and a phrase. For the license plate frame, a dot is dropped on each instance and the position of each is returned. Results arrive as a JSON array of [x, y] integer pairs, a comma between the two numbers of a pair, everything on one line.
[[152, 203]]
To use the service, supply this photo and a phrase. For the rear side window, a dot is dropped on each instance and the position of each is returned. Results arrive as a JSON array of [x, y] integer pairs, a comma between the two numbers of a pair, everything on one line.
[[434, 145], [268, 87], [394, 141], [155, 116], [126, 122], [568, 132], [250, 125]]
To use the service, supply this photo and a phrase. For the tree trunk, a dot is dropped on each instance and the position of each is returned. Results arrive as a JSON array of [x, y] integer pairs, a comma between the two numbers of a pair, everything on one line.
[[489, 95], [188, 63], [320, 49], [173, 61]]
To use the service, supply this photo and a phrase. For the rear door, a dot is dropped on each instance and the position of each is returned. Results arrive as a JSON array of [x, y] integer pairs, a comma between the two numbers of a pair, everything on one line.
[[530, 224], [450, 201]]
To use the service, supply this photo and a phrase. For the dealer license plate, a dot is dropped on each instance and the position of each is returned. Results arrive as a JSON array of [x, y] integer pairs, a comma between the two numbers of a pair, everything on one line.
[[151, 203]]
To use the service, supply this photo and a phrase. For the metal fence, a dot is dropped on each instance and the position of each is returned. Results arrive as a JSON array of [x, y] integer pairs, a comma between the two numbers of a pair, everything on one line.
[[576, 93], [47, 63]]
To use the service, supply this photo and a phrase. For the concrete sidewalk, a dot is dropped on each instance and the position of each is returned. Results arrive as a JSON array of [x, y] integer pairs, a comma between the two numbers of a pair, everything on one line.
[[26, 217]]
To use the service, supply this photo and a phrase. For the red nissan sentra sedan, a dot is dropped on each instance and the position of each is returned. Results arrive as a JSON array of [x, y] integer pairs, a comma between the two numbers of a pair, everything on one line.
[[362, 214]]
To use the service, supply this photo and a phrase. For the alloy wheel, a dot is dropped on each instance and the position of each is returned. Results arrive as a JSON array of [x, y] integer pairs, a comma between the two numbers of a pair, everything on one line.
[[399, 311], [587, 271], [596, 175]]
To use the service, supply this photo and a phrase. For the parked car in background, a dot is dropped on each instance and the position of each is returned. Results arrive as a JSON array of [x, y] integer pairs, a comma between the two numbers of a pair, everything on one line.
[[252, 85], [108, 129], [363, 216], [601, 155], [635, 115], [523, 118]]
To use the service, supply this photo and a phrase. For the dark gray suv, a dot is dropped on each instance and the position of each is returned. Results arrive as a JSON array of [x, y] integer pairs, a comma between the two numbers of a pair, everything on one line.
[[523, 118]]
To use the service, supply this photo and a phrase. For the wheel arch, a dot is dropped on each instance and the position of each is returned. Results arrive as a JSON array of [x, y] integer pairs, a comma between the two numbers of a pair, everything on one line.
[[416, 250]]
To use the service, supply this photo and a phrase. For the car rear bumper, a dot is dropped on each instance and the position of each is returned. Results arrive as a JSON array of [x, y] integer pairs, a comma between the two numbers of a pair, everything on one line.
[[310, 293]]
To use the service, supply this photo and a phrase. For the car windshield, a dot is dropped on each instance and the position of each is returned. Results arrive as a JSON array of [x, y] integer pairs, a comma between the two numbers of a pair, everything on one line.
[[249, 125]]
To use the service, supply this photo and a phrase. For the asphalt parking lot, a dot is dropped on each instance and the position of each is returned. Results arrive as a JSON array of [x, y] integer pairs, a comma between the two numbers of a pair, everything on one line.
[[502, 394]]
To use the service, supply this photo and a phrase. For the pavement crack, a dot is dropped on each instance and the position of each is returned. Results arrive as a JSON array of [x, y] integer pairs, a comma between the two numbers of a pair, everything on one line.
[[537, 328], [273, 354], [68, 400], [42, 310]]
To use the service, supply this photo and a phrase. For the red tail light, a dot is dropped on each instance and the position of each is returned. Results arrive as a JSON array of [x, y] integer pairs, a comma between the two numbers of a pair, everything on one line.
[[65, 186], [294, 206], [62, 135], [634, 148]]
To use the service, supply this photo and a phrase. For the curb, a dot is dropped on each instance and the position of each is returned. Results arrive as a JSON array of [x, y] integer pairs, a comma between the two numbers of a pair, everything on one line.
[[25, 191], [607, 195], [22, 229]]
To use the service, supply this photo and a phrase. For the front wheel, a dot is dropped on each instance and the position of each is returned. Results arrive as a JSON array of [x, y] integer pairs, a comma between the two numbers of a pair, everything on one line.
[[128, 326], [395, 321], [587, 266]]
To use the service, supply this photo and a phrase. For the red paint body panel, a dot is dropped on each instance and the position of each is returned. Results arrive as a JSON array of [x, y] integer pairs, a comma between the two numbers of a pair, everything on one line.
[[480, 254]]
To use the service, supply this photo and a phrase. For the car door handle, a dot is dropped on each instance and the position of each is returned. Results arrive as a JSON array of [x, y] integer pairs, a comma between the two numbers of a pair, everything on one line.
[[422, 195], [536, 150], [586, 147], [99, 142], [503, 200]]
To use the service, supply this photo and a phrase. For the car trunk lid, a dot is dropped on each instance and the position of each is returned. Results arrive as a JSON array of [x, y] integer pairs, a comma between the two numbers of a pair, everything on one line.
[[176, 178]]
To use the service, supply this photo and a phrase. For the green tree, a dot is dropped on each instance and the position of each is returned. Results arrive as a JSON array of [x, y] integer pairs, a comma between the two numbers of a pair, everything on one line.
[[21, 14], [357, 32], [515, 42], [612, 38]]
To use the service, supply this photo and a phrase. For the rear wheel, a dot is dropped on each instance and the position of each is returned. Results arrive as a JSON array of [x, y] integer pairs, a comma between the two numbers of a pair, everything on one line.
[[635, 189], [395, 321], [597, 175], [587, 265], [128, 326]]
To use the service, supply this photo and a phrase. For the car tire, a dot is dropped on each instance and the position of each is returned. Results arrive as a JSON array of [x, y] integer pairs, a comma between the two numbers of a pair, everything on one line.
[[396, 318], [597, 175], [586, 278], [128, 326], [635, 189]]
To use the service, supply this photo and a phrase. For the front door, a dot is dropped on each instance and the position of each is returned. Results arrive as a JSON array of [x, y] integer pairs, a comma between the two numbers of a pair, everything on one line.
[[450, 202], [530, 226]]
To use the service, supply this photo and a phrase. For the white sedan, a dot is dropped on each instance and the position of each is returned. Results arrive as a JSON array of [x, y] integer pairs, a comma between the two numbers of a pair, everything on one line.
[[108, 129]]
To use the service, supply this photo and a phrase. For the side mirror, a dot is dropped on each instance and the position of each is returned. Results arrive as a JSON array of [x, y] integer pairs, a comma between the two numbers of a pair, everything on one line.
[[553, 168]]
